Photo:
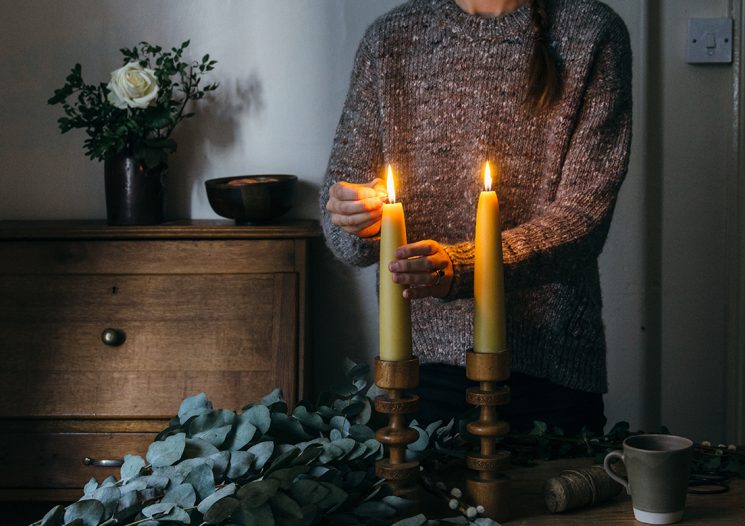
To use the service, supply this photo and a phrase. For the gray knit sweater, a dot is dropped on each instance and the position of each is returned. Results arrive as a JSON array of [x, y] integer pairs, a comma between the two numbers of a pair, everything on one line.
[[435, 92]]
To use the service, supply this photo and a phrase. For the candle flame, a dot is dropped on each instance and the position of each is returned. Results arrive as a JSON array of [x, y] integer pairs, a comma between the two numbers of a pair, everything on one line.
[[391, 187], [487, 177]]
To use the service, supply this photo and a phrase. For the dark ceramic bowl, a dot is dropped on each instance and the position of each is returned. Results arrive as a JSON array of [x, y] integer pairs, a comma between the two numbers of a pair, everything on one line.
[[251, 198]]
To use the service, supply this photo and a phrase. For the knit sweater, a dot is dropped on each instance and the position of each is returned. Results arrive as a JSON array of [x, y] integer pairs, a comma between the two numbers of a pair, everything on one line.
[[436, 92]]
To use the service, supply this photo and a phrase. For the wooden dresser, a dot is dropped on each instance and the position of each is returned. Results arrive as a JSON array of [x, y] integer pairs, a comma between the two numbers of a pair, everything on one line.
[[104, 330]]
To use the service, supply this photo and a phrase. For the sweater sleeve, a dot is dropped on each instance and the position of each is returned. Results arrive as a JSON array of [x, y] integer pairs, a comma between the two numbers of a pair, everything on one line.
[[356, 155], [571, 231]]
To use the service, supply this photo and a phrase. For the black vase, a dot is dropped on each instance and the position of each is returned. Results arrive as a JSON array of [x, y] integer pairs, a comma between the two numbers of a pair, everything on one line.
[[135, 195]]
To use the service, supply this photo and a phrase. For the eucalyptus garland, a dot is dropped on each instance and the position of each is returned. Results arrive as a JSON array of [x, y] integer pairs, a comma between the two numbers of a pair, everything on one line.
[[260, 467], [263, 466]]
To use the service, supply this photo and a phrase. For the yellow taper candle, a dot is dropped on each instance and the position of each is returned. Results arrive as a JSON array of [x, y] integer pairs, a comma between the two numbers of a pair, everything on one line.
[[488, 280], [395, 317]]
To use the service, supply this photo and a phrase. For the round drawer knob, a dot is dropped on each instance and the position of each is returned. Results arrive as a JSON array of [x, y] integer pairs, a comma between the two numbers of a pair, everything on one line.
[[113, 337]]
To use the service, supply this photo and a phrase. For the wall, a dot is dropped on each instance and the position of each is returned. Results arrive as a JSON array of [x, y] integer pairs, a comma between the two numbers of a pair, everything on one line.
[[284, 67]]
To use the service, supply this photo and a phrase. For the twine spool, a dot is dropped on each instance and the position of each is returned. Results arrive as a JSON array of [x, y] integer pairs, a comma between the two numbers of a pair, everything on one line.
[[579, 488]]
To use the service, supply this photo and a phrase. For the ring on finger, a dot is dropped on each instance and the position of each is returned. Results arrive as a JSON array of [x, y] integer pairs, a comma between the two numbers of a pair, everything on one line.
[[437, 276]]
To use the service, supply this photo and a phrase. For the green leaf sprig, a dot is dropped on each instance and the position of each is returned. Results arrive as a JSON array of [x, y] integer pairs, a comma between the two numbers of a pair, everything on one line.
[[144, 133]]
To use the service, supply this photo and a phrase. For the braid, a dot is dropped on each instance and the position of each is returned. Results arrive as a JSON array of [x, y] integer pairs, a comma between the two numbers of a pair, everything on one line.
[[544, 83]]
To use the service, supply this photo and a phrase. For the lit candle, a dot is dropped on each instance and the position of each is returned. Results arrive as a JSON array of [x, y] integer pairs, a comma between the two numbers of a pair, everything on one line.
[[395, 317], [488, 280]]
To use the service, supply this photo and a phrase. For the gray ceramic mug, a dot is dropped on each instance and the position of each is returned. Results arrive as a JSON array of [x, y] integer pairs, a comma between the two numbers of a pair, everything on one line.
[[658, 468]]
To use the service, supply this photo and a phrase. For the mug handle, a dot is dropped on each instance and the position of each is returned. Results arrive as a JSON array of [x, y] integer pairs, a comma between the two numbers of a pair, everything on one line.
[[618, 454]]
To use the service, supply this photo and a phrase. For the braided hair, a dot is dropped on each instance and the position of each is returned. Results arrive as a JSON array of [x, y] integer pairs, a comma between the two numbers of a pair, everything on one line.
[[544, 81]]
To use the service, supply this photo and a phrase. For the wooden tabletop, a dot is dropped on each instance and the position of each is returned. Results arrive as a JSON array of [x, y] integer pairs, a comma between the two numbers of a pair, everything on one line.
[[529, 509], [181, 229]]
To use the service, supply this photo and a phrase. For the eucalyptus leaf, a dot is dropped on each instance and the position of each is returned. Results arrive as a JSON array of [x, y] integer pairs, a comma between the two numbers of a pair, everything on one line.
[[262, 451], [307, 491], [258, 415], [90, 486], [223, 492], [341, 423], [286, 476], [177, 515], [221, 510], [354, 478], [211, 420], [335, 497], [240, 463], [359, 371], [243, 431], [335, 434], [309, 454], [89, 512], [108, 496], [287, 429], [182, 495], [310, 420], [54, 516], [416, 520], [215, 436], [108, 481], [275, 401], [485, 521], [422, 441], [132, 466], [285, 506], [220, 463], [283, 460], [160, 508], [167, 452], [128, 500], [255, 494], [458, 519], [202, 479], [264, 516], [194, 406], [198, 448]]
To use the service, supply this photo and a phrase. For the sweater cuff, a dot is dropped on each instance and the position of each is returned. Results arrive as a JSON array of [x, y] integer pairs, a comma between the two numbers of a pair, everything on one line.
[[462, 257]]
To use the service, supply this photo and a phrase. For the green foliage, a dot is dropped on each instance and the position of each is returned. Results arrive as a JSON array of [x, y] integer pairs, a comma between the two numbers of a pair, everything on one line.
[[142, 132]]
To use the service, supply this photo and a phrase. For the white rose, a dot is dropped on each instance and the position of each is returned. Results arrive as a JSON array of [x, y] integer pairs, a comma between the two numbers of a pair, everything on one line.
[[133, 86]]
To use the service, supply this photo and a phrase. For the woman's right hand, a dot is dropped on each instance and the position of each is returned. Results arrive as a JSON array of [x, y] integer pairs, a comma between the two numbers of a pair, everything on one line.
[[357, 208]]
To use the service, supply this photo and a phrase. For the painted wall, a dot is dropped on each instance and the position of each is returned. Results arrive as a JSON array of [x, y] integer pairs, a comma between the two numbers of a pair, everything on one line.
[[284, 67]]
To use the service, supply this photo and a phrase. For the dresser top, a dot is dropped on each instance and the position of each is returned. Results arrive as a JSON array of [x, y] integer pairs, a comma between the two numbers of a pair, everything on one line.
[[181, 229]]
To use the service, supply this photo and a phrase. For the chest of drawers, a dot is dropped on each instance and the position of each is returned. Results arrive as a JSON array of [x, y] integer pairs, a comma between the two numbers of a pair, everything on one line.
[[104, 330]]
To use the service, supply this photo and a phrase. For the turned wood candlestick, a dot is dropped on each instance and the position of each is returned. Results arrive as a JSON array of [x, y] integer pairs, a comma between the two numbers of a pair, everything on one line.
[[395, 377], [486, 486]]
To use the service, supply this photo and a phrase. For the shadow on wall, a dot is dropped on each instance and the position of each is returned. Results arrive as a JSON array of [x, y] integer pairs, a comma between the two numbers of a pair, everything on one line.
[[212, 131]]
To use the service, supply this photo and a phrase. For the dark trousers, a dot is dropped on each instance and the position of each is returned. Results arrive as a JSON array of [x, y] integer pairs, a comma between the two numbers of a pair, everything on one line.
[[442, 397]]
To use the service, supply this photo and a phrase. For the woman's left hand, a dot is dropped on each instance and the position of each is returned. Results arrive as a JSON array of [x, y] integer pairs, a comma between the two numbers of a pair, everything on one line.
[[424, 267]]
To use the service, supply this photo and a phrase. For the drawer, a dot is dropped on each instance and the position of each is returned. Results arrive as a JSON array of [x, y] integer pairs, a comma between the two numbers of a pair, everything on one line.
[[55, 460], [147, 257], [231, 336]]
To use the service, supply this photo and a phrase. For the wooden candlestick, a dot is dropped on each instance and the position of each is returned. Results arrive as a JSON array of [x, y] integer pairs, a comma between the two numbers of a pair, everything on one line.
[[487, 487], [395, 377]]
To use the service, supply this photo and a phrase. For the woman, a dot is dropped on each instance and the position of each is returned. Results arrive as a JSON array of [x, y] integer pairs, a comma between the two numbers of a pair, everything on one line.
[[544, 89]]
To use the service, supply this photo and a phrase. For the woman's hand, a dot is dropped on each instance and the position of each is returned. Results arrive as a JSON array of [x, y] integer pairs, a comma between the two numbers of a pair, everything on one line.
[[424, 267], [357, 208]]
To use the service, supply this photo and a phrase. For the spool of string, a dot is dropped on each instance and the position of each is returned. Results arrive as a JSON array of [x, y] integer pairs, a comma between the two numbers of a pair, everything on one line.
[[579, 488]]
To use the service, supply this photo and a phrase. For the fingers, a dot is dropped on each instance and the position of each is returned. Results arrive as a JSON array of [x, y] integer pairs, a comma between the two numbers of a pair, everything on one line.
[[424, 267], [356, 208], [345, 191], [355, 222]]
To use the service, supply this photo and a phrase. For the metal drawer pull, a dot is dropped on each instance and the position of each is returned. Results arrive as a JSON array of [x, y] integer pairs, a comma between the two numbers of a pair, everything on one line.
[[113, 337], [104, 463]]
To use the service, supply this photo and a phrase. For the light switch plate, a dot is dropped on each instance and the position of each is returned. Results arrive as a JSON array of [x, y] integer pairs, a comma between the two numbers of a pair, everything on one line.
[[709, 40]]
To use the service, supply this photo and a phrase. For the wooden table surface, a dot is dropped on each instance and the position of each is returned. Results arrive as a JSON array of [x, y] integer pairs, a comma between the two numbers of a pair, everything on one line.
[[529, 509]]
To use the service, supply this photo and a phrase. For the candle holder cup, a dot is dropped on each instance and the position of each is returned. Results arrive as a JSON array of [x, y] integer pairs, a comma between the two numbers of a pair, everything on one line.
[[487, 487], [396, 377]]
